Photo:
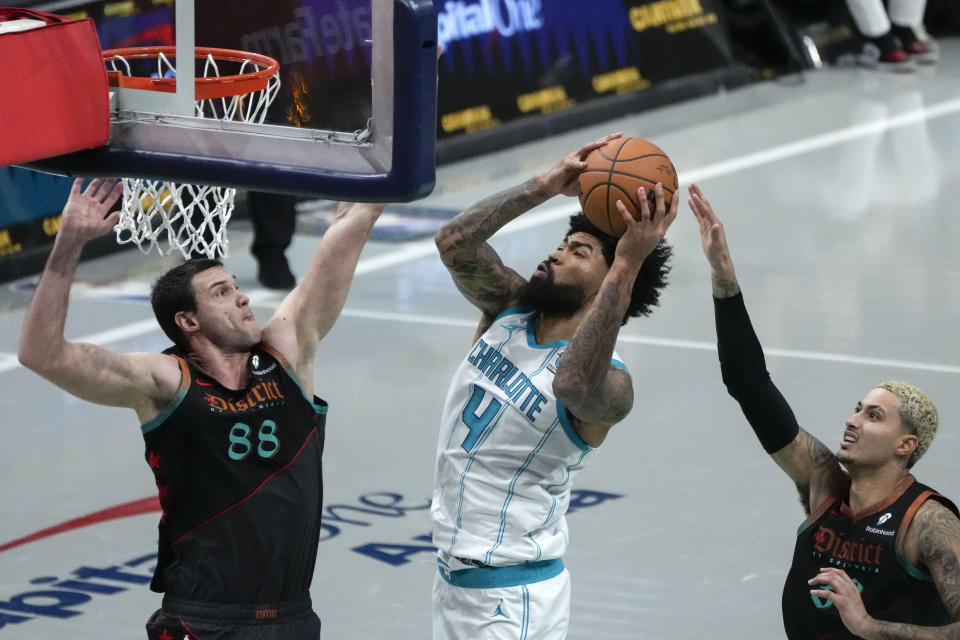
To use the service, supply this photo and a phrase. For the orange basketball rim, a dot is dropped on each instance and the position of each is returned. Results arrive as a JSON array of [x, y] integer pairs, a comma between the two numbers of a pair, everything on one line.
[[206, 88]]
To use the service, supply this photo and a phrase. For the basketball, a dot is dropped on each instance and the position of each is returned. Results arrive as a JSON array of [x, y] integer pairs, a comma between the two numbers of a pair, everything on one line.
[[614, 172]]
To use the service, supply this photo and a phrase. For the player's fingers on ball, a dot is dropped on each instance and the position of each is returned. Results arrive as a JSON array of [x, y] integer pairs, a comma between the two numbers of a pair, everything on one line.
[[585, 150], [659, 199], [628, 218], [644, 203]]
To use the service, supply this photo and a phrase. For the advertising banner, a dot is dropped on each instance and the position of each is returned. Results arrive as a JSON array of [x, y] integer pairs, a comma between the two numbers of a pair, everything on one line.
[[508, 60]]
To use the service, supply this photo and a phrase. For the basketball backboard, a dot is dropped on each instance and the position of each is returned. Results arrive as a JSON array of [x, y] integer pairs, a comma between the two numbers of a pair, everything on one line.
[[354, 119]]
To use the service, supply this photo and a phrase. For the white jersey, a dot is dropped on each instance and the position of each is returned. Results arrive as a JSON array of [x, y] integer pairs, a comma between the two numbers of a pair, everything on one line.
[[507, 453]]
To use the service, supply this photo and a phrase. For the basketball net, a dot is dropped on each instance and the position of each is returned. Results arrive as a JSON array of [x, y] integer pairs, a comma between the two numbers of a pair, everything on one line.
[[188, 217]]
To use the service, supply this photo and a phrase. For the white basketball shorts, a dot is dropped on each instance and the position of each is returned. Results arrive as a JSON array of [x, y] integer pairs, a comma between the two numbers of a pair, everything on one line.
[[518, 602]]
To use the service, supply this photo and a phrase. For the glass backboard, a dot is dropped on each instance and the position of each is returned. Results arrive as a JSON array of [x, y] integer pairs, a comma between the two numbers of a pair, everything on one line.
[[354, 117]]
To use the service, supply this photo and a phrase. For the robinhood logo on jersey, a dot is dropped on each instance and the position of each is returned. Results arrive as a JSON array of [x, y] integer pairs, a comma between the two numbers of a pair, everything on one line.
[[255, 364], [263, 394]]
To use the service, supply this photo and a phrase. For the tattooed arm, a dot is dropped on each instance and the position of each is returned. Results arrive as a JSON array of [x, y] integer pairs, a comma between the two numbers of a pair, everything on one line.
[[932, 541], [596, 394], [476, 268], [812, 467]]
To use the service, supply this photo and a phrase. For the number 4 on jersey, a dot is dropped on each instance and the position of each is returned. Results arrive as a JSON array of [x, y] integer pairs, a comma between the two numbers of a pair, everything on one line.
[[477, 423]]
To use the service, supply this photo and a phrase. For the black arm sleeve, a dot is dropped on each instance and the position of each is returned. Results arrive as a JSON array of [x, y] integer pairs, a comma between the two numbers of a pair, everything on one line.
[[745, 374]]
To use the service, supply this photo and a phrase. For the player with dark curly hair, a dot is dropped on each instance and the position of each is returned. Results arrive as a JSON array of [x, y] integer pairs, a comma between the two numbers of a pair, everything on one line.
[[533, 398]]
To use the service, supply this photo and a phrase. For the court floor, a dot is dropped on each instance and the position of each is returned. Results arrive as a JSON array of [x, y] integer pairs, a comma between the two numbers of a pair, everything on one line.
[[840, 198]]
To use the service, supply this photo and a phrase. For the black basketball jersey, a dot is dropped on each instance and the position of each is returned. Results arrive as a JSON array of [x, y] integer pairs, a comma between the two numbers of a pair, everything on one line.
[[867, 546], [239, 479]]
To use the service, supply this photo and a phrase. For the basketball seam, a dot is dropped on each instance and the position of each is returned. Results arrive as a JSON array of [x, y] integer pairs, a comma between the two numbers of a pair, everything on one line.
[[646, 155], [623, 173], [625, 192], [606, 157], [610, 172]]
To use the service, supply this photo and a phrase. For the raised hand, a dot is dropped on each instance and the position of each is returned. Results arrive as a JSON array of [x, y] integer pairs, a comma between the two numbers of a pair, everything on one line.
[[562, 178], [642, 236], [87, 213], [713, 240]]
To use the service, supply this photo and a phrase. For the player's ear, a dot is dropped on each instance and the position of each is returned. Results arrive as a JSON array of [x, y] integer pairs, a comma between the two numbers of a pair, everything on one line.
[[907, 444], [187, 321]]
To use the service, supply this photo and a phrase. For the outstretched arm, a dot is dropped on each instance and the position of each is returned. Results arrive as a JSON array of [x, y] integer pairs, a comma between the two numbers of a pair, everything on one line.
[[811, 466], [596, 394], [932, 541], [308, 312], [476, 268], [142, 381]]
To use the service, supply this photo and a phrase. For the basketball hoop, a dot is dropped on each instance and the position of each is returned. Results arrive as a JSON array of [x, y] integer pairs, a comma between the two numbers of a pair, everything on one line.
[[191, 218]]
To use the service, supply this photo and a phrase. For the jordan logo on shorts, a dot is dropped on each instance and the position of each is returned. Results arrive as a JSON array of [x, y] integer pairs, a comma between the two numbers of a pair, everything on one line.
[[499, 611]]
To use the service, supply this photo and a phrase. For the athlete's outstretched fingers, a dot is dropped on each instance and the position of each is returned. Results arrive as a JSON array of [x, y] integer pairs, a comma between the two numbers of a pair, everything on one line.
[[660, 210], [109, 190], [628, 218], [93, 187], [585, 150], [644, 204], [671, 214], [115, 193]]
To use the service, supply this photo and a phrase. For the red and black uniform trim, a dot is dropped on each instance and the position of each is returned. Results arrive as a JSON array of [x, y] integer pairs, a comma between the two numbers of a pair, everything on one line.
[[239, 475], [868, 546]]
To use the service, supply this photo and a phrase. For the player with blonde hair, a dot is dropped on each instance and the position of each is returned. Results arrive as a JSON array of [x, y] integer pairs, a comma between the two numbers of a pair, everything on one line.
[[879, 553]]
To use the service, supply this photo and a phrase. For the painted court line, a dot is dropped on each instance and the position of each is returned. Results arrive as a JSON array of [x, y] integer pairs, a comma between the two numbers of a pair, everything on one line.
[[423, 248], [677, 344], [799, 354], [9, 361], [544, 215]]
